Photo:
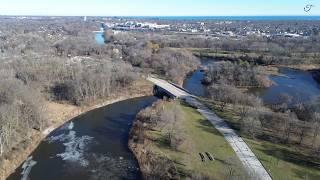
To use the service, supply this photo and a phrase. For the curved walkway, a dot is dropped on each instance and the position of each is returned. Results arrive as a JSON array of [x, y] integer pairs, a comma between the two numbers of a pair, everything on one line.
[[246, 156]]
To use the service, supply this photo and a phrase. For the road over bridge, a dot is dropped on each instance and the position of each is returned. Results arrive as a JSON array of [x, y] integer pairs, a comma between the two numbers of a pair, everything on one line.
[[250, 162]]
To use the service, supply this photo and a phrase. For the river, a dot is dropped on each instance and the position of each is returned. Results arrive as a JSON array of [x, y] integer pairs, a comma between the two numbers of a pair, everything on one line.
[[99, 38], [193, 81], [95, 145], [91, 146], [298, 84]]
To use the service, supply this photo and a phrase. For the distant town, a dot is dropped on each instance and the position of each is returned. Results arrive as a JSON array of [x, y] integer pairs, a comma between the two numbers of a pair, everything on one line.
[[215, 28]]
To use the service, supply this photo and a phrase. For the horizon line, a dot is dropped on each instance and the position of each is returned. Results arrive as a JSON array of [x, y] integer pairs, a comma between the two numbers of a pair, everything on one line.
[[297, 15]]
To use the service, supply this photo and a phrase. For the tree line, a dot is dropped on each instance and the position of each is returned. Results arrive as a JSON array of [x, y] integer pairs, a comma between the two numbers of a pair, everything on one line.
[[239, 74], [284, 122]]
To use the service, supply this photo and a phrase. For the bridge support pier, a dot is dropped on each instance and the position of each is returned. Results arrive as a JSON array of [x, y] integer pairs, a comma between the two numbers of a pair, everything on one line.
[[162, 93]]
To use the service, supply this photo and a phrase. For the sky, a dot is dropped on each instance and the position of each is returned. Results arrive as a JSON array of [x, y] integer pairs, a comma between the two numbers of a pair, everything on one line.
[[158, 7]]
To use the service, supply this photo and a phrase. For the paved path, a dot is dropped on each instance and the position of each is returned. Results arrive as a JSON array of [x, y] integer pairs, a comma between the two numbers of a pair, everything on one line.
[[246, 156]]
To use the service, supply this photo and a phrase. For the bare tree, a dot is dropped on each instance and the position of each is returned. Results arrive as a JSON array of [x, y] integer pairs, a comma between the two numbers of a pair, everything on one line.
[[316, 122], [1, 145]]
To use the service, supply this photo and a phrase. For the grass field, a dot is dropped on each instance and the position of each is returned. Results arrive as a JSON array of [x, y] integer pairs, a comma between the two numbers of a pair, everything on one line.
[[283, 162], [200, 136]]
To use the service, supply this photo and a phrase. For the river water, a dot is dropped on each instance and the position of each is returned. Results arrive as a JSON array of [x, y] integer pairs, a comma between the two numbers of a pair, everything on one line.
[[91, 146], [99, 38], [300, 85], [193, 83], [95, 145]]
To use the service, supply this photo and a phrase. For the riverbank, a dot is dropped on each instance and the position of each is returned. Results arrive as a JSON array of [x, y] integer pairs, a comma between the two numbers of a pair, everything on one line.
[[254, 57], [303, 67], [59, 114], [273, 153], [316, 74], [314, 69], [169, 146]]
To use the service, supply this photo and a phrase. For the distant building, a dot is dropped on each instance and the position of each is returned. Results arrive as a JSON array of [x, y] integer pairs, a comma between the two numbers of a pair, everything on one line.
[[292, 35]]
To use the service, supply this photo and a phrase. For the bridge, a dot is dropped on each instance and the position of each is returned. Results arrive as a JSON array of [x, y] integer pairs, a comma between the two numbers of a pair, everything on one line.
[[170, 88], [250, 162]]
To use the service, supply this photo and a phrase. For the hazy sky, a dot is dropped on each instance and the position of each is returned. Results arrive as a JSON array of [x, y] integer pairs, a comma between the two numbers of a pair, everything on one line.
[[157, 7]]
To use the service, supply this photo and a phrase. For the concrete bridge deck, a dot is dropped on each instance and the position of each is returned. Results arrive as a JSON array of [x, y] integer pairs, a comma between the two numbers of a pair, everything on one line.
[[250, 162]]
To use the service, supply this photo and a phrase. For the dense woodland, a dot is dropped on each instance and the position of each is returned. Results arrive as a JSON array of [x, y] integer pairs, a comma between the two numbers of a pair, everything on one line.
[[254, 49], [240, 74]]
